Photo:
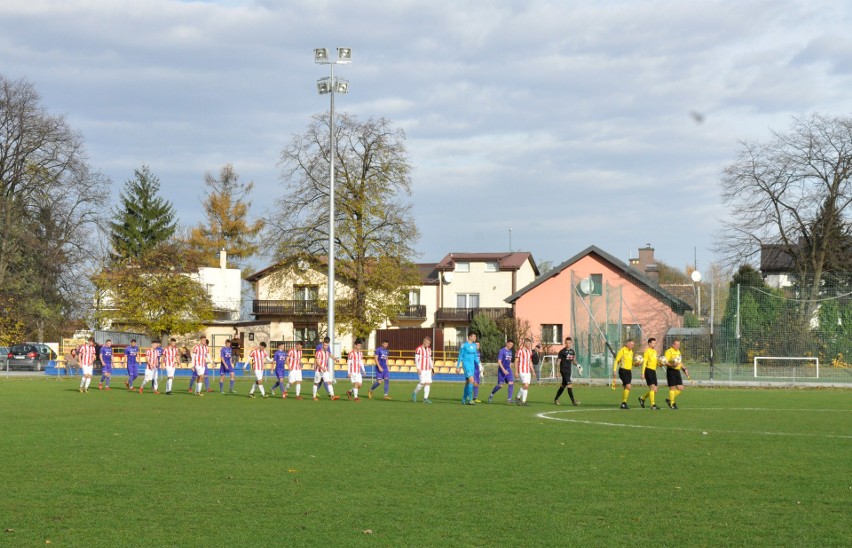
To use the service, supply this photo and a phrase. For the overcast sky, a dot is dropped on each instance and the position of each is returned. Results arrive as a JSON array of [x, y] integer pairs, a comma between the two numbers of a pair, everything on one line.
[[573, 123]]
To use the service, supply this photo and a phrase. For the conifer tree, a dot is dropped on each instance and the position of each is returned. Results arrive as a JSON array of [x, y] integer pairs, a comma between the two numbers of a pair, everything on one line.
[[144, 219]]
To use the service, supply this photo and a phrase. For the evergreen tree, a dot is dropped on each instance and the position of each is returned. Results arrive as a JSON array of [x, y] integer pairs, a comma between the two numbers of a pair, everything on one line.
[[143, 220], [226, 208]]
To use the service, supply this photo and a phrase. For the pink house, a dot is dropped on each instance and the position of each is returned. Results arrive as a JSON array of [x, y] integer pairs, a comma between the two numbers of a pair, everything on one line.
[[595, 296]]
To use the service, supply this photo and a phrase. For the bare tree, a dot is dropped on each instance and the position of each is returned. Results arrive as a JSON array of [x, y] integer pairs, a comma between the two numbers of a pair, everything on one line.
[[49, 206], [792, 192], [375, 230]]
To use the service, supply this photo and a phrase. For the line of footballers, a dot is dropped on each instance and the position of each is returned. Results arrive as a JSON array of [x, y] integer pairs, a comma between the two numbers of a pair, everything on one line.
[[288, 364]]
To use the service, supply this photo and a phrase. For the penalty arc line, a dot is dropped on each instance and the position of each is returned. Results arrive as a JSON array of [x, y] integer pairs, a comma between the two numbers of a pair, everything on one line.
[[547, 415]]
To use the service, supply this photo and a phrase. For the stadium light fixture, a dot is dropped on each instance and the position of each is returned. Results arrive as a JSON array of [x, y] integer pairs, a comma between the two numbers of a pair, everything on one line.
[[331, 86]]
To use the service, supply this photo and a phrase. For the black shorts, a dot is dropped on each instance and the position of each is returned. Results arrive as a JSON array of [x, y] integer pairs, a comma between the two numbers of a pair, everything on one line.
[[566, 376], [673, 377], [626, 375], [650, 376]]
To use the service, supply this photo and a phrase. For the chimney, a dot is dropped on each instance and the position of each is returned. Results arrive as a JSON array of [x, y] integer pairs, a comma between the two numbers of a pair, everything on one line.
[[223, 259], [647, 264]]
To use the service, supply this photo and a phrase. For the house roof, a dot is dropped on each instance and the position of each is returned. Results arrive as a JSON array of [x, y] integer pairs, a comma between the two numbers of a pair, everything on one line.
[[644, 282], [775, 259], [507, 260], [428, 273]]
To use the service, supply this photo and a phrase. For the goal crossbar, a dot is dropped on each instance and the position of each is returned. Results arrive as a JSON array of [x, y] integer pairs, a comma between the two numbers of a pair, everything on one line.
[[784, 370]]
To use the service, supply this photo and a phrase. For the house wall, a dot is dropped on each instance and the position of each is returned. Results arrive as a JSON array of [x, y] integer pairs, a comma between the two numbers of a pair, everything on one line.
[[492, 287], [224, 285], [550, 302]]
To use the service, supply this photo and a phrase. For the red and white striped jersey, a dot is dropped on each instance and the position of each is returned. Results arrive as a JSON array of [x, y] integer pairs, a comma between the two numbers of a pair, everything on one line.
[[355, 361], [524, 360], [86, 354], [258, 358], [170, 356], [199, 355], [152, 355], [423, 358], [322, 359], [294, 360]]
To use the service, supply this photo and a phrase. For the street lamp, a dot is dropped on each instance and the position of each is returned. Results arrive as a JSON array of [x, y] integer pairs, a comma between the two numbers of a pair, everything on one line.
[[331, 85]]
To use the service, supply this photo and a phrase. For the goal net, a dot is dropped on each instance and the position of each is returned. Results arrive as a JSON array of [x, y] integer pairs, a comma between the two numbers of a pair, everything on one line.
[[786, 368]]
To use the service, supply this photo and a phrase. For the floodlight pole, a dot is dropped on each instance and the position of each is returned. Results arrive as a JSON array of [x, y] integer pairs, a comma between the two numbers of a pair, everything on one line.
[[332, 89]]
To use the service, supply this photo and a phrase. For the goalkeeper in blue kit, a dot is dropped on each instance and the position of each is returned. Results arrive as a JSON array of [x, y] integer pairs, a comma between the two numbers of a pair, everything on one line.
[[468, 356]]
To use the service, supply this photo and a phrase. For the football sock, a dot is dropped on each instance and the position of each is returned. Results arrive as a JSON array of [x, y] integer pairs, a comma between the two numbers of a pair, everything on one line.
[[675, 393], [511, 390], [83, 382], [387, 386], [207, 383], [232, 385], [559, 392], [107, 380], [375, 385], [298, 388], [88, 382], [419, 387], [496, 389], [525, 391], [198, 387], [221, 386], [571, 393], [262, 391], [653, 396], [252, 388], [168, 385], [426, 391], [286, 388], [624, 395], [475, 391], [156, 386], [102, 378], [330, 389], [355, 393], [315, 390], [274, 386]]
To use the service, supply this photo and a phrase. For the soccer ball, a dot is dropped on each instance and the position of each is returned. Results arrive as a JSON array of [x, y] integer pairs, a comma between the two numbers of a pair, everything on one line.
[[664, 360], [637, 360], [678, 359]]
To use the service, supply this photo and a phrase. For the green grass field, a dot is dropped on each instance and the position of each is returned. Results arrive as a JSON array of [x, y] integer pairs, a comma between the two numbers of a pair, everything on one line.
[[118, 468]]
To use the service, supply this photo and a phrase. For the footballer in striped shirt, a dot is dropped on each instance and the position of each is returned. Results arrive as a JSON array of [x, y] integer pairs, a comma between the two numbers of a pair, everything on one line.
[[258, 359], [86, 355], [170, 361], [200, 358], [152, 366], [525, 370], [324, 370], [355, 361], [423, 361], [294, 370]]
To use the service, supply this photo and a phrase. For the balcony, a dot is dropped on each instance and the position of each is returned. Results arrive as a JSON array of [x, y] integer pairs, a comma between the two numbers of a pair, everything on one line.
[[465, 315], [291, 308], [413, 312]]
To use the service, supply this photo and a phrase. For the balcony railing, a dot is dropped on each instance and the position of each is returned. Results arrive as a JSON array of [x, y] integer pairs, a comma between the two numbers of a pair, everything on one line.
[[289, 307], [467, 314], [413, 312]]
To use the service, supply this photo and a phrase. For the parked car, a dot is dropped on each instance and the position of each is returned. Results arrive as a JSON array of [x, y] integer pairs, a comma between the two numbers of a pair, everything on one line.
[[30, 356]]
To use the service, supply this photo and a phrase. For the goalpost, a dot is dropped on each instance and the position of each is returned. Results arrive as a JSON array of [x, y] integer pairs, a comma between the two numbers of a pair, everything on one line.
[[786, 368]]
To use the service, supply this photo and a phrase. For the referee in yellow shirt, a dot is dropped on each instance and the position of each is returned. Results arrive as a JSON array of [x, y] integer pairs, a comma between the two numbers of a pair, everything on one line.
[[649, 373], [674, 365], [624, 367]]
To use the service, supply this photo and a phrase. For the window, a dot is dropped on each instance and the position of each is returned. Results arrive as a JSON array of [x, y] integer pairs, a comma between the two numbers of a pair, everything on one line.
[[306, 333], [492, 266], [631, 331], [551, 333], [597, 280], [414, 297], [461, 335], [463, 266], [305, 292], [467, 300]]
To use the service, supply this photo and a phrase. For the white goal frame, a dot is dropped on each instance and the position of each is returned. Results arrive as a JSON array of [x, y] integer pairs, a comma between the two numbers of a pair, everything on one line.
[[813, 359]]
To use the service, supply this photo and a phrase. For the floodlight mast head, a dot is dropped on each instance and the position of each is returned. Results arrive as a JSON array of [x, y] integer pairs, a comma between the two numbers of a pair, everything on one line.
[[321, 56], [324, 86], [344, 55]]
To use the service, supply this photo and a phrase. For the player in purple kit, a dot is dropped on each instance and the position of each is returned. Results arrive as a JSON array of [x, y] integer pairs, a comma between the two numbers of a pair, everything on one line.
[[280, 358], [131, 353], [226, 366], [382, 371], [504, 371], [106, 363]]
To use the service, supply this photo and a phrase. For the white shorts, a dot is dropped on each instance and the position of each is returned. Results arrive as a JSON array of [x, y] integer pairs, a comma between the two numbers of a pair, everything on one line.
[[426, 376], [87, 369], [525, 378], [355, 378], [258, 374], [325, 375], [150, 374], [199, 370], [170, 371], [294, 375]]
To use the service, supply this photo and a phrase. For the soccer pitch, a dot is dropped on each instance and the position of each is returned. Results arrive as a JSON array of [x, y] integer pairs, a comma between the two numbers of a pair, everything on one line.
[[731, 467]]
